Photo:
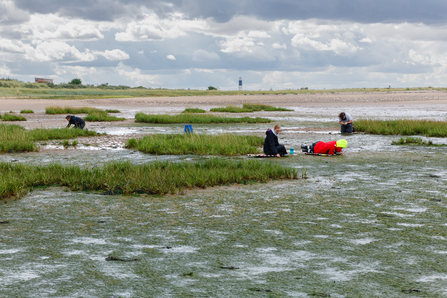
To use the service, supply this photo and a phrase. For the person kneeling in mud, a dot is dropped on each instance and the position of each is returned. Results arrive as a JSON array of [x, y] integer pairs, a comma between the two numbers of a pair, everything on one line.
[[76, 121], [329, 148], [271, 144]]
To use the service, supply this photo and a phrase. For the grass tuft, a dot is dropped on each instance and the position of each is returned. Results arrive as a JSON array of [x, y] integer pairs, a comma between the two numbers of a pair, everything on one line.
[[17, 139], [195, 119], [70, 110], [402, 127], [262, 107], [232, 109], [113, 111], [12, 117], [157, 178], [101, 117], [200, 144], [411, 141], [193, 110], [26, 112]]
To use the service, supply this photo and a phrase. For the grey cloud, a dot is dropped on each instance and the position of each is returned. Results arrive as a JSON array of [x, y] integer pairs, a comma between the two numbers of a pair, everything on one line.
[[363, 11]]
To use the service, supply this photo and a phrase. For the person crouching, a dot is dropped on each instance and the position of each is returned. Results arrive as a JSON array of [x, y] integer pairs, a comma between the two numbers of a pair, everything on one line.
[[271, 144], [76, 121], [329, 148]]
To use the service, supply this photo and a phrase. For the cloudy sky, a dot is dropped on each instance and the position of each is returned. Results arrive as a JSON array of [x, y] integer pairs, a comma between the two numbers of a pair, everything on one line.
[[279, 44]]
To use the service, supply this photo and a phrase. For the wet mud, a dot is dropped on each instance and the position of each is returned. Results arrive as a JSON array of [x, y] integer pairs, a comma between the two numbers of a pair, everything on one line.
[[370, 223]]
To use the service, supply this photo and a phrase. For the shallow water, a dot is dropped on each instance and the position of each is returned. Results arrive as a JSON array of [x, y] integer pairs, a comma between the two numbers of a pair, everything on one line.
[[369, 223]]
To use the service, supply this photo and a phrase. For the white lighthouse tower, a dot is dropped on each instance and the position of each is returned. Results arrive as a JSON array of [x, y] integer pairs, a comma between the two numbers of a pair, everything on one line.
[[240, 83]]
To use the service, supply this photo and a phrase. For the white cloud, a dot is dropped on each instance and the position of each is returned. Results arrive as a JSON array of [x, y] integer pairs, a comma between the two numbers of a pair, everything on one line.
[[170, 57], [136, 76], [418, 58], [336, 45], [202, 55], [278, 46], [366, 39], [56, 50], [259, 34], [141, 52], [113, 55], [152, 28], [236, 44]]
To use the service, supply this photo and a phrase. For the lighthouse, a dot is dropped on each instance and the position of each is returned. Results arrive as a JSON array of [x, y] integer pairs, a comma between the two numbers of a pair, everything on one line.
[[240, 83]]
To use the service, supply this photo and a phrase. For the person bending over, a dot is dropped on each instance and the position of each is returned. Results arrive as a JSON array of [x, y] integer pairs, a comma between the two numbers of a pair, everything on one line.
[[346, 122], [329, 148], [76, 121], [271, 144]]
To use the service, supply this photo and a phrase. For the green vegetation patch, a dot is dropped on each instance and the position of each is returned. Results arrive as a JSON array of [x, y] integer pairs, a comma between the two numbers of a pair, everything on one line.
[[12, 117], [194, 110], [113, 111], [17, 139], [414, 142], [402, 127], [200, 144], [102, 116], [70, 110], [127, 178], [231, 109], [262, 107], [195, 119], [26, 112]]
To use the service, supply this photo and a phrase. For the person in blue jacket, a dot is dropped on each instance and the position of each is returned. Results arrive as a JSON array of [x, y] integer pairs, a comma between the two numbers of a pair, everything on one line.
[[76, 121], [271, 144]]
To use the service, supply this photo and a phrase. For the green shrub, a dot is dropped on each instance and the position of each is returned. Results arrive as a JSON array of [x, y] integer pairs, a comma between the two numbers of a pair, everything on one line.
[[200, 144], [26, 112], [195, 119], [113, 111], [402, 127], [127, 178]]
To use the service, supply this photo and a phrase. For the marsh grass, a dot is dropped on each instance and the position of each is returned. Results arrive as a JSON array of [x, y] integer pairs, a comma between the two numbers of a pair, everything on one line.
[[411, 141], [12, 117], [194, 110], [195, 119], [157, 178], [17, 139], [26, 112], [70, 110], [200, 144], [263, 107], [232, 109], [402, 127], [101, 117], [94, 114]]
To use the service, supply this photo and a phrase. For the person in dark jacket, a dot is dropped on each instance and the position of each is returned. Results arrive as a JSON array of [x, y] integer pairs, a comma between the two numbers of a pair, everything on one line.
[[76, 121], [271, 144]]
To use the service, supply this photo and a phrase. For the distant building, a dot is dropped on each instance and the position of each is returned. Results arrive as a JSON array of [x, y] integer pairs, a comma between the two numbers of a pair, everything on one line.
[[40, 80]]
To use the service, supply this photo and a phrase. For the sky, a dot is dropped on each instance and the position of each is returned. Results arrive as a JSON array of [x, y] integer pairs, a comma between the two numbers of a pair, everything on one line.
[[281, 44]]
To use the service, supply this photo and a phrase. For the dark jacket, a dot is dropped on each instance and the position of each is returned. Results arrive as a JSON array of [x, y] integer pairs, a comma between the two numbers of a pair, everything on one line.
[[76, 121], [270, 143]]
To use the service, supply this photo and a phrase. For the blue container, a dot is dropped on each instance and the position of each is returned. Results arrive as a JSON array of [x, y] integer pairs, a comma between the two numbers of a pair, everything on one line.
[[292, 150], [188, 128]]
